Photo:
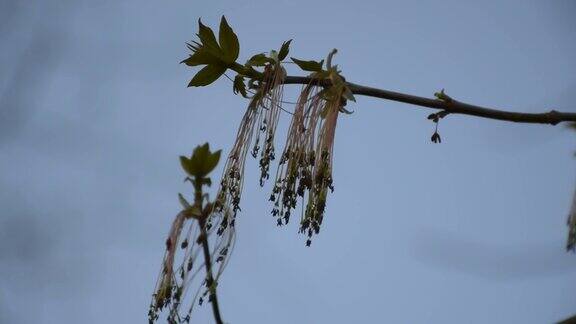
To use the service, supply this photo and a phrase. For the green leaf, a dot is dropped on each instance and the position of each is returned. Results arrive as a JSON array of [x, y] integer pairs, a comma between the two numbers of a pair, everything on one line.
[[329, 94], [201, 57], [207, 75], [228, 42], [311, 66], [193, 47], [347, 93], [274, 56], [442, 96], [257, 60], [185, 204], [207, 181], [200, 163], [200, 155], [211, 161], [207, 38], [253, 84], [188, 165], [284, 50], [239, 86]]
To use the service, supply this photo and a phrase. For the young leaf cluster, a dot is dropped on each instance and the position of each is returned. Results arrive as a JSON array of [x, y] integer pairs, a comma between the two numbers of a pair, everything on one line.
[[201, 162], [260, 60], [175, 279], [338, 88], [217, 56]]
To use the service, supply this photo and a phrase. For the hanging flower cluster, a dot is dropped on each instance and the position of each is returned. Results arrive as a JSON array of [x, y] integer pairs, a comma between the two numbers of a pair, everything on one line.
[[306, 164], [261, 117], [305, 167], [304, 170], [190, 235]]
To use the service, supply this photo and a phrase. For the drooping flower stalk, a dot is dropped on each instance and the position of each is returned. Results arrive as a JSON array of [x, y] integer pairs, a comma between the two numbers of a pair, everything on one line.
[[166, 286], [305, 168], [262, 112], [273, 86], [174, 282], [180, 268]]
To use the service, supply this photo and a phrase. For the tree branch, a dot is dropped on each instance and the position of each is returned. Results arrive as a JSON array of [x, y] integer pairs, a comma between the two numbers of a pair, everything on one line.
[[452, 106]]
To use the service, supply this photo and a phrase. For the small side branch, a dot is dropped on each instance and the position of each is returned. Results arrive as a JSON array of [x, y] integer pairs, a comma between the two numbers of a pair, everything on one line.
[[452, 106]]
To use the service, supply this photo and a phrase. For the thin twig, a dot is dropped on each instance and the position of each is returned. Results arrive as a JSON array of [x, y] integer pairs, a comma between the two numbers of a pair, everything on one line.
[[203, 239], [552, 117], [213, 299]]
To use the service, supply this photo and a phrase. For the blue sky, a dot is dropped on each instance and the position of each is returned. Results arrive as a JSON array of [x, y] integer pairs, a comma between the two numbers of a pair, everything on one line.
[[94, 112]]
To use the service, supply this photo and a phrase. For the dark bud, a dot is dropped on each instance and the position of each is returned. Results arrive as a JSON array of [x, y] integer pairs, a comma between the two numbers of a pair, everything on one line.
[[434, 117]]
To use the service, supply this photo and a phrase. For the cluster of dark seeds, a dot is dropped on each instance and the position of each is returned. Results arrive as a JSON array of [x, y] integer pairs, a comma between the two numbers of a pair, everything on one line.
[[261, 117], [267, 156], [296, 181], [571, 245], [260, 120], [230, 191], [166, 295], [305, 167], [304, 174], [222, 254], [315, 208], [435, 138], [271, 106]]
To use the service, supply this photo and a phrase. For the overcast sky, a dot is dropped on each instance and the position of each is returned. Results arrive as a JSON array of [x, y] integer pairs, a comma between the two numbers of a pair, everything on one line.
[[94, 112]]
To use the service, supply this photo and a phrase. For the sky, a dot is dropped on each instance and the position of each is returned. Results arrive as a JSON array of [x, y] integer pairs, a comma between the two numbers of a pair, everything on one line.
[[94, 112]]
